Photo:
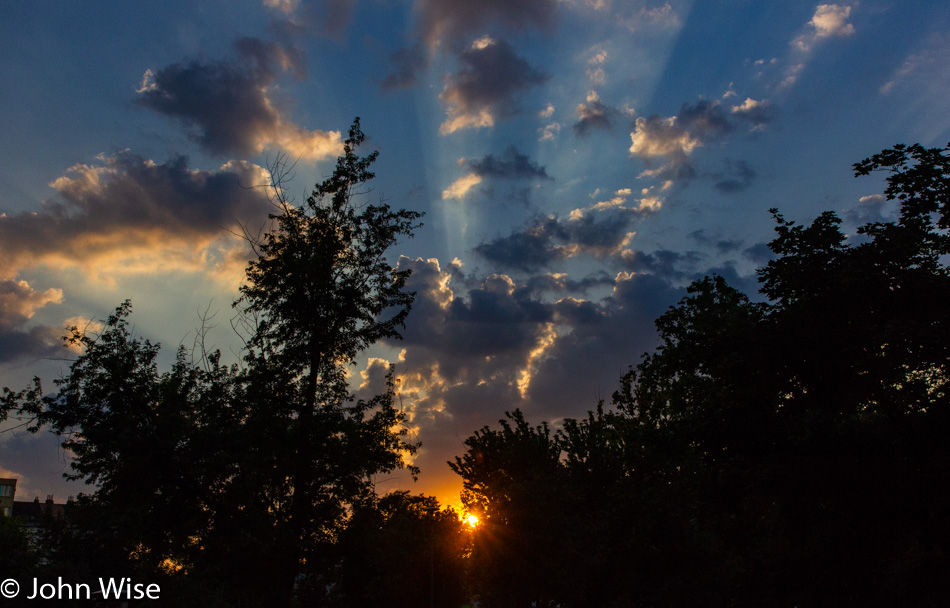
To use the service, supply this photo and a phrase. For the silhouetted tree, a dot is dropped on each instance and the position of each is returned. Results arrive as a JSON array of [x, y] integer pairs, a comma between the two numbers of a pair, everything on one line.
[[233, 483], [141, 439], [784, 452], [402, 551], [812, 426], [321, 292]]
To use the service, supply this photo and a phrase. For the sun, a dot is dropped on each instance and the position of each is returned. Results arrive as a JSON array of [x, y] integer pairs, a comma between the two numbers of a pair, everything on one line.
[[471, 520]]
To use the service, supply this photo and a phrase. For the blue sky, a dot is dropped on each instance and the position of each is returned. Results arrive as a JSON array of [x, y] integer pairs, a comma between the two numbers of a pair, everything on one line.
[[579, 163]]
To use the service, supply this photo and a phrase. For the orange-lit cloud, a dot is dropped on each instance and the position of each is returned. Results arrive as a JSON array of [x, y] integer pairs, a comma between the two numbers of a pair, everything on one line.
[[486, 87], [127, 214], [227, 106]]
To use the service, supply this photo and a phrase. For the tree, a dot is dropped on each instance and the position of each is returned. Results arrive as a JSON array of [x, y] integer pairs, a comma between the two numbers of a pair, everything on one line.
[[321, 292], [787, 451], [813, 425], [402, 551], [138, 437], [511, 481], [200, 471]]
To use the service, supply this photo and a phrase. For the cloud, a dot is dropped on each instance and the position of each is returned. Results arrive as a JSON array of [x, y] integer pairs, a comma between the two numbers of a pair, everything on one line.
[[925, 73], [651, 19], [407, 63], [468, 356], [511, 165], [603, 338], [461, 186], [759, 253], [664, 262], [602, 230], [285, 6], [661, 137], [18, 303], [594, 114], [227, 106], [455, 19], [549, 132], [665, 144], [721, 245], [485, 88], [758, 113], [446, 22], [737, 176], [126, 213], [595, 68], [829, 20], [872, 208], [705, 119], [529, 249]]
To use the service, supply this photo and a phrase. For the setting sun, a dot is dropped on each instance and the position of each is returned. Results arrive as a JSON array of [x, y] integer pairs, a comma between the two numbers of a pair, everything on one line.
[[471, 520]]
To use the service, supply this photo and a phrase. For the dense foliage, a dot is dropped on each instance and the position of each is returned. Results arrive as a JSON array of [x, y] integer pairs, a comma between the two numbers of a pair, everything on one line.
[[789, 450], [202, 471]]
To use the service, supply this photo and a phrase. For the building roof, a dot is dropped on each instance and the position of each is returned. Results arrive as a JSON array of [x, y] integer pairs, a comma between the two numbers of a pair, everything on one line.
[[32, 512]]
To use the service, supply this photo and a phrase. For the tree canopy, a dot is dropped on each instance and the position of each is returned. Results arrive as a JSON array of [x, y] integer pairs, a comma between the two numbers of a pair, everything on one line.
[[781, 449], [789, 450], [201, 470]]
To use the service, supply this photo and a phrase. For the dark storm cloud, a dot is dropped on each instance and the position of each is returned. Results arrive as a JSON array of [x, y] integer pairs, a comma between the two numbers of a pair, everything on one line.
[[512, 164], [226, 105], [487, 85], [128, 202]]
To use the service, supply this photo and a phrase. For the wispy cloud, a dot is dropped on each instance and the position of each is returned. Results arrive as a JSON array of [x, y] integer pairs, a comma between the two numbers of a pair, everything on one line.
[[828, 21]]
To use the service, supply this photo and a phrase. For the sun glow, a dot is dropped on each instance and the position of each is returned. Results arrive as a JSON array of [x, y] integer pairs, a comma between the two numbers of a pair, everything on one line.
[[471, 520]]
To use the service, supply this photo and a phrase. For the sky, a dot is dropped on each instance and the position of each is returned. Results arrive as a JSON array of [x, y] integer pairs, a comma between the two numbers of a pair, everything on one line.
[[579, 163]]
